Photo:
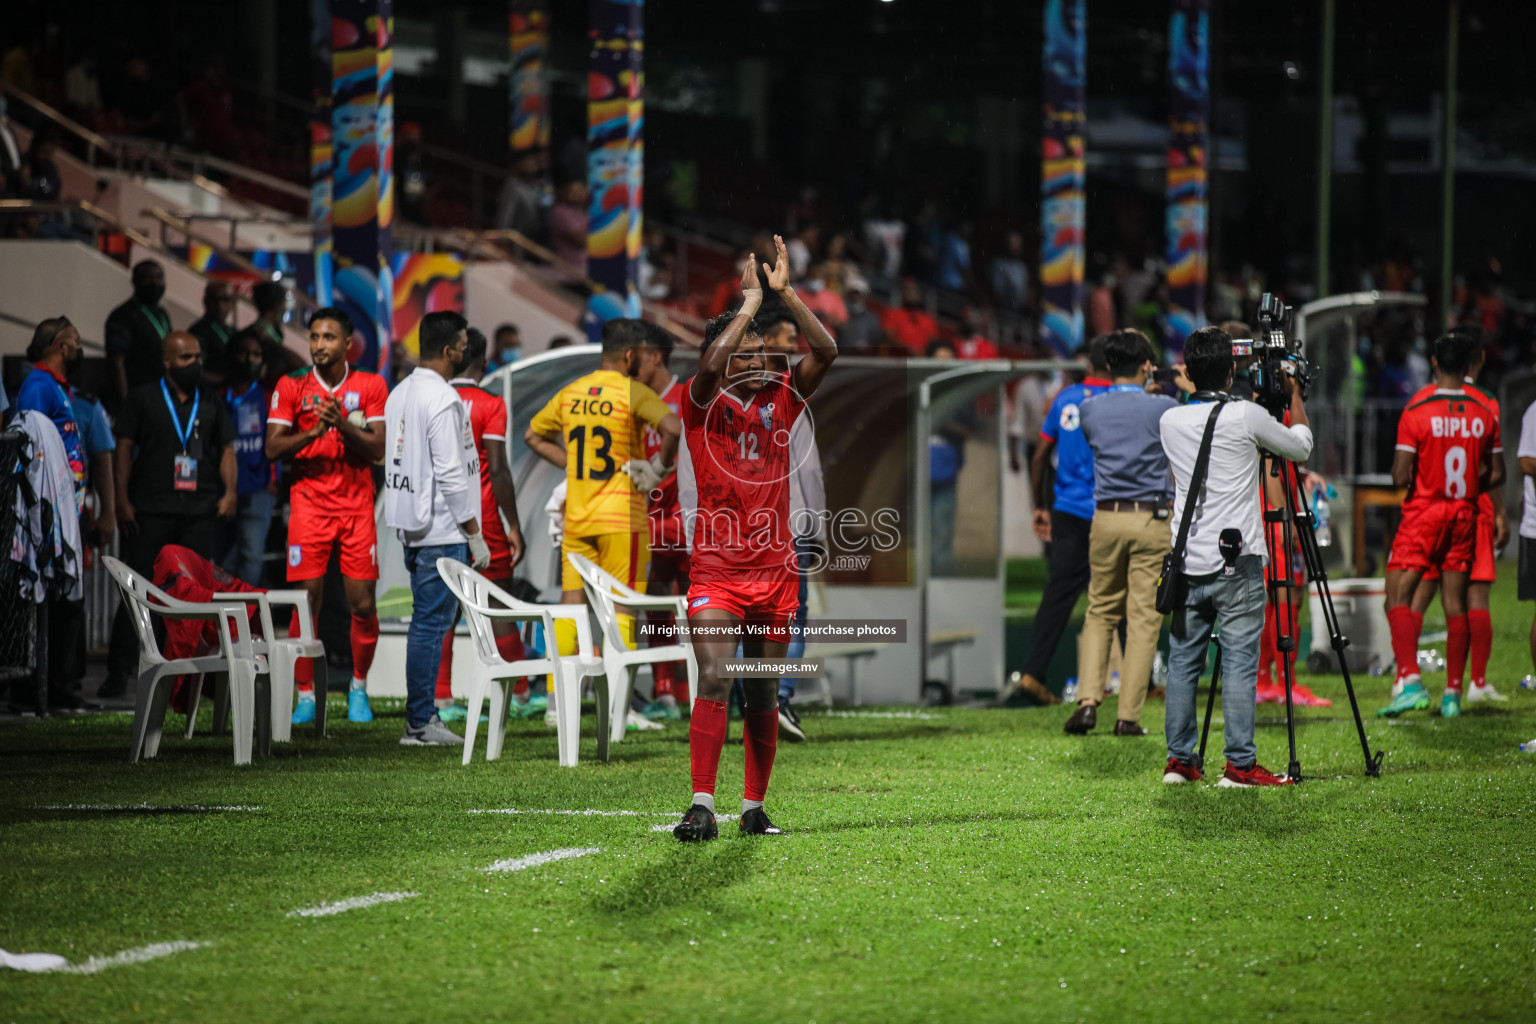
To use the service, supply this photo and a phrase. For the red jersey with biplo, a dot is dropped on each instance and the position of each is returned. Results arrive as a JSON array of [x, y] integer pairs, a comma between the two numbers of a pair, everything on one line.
[[739, 452], [329, 479], [1450, 433]]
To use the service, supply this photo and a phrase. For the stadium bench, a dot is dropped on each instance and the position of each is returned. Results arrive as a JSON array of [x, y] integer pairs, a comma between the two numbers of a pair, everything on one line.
[[851, 652]]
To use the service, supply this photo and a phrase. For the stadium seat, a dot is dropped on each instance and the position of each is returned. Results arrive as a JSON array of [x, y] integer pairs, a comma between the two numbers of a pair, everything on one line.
[[607, 595], [237, 657], [282, 654], [484, 602]]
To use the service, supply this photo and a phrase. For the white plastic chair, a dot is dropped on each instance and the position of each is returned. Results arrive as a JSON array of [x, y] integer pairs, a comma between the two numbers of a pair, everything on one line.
[[282, 654], [483, 602], [607, 596], [237, 657]]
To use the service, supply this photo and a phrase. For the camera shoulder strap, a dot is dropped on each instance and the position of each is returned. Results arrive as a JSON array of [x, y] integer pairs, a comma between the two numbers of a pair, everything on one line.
[[1196, 483]]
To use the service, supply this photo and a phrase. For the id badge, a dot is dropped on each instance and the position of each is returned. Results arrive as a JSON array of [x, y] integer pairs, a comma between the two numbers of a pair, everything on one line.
[[186, 473]]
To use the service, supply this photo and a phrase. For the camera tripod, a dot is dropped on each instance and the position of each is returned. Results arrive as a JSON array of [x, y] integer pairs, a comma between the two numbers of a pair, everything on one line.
[[1296, 515]]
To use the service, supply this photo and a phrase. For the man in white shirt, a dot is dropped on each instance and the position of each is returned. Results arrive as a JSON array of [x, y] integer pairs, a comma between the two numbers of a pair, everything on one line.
[[432, 500], [1221, 593], [1527, 577]]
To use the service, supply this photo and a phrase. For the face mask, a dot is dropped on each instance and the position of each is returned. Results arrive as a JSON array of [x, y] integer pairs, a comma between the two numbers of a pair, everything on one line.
[[855, 305], [149, 294], [245, 370], [185, 377]]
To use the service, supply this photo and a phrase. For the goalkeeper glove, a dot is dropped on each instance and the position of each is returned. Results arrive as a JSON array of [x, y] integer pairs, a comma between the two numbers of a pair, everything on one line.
[[646, 475], [479, 551]]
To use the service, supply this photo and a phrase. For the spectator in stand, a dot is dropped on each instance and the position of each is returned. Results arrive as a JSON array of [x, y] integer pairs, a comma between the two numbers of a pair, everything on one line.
[[520, 206], [820, 299], [802, 249], [13, 174], [136, 331], [909, 325], [256, 487], [213, 330], [862, 332], [1101, 317], [506, 347], [884, 237], [207, 107], [411, 173], [82, 89], [727, 294], [175, 472], [972, 343], [1010, 276], [54, 350], [568, 227], [143, 103], [953, 271], [560, 341], [271, 299]]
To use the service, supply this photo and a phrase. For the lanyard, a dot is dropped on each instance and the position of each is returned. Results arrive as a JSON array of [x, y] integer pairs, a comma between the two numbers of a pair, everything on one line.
[[220, 330], [182, 434], [236, 401], [275, 333], [162, 328]]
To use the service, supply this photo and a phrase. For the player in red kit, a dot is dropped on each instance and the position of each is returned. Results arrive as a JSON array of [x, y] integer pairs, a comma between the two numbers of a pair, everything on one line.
[[745, 584], [327, 422], [1492, 533], [488, 424], [1447, 456], [669, 548]]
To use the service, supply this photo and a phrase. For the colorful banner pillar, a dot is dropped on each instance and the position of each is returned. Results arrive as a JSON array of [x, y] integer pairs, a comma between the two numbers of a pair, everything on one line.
[[320, 149], [362, 176], [1062, 175], [615, 160], [1189, 102], [529, 38]]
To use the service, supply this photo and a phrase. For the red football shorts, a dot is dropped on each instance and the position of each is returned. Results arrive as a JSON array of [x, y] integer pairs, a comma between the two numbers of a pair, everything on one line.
[[1483, 570], [312, 538], [770, 604], [501, 549], [1435, 534]]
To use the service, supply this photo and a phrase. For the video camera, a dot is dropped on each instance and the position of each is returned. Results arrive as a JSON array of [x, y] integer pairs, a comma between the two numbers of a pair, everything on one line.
[[1277, 356]]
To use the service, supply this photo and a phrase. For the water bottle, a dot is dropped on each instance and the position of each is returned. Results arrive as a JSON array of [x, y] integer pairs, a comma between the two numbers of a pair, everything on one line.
[[1321, 515], [1160, 670], [1069, 691]]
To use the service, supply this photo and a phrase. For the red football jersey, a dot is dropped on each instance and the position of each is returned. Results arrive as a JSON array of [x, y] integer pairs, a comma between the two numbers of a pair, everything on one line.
[[739, 451], [666, 503], [329, 479], [488, 422], [1450, 433], [1484, 500]]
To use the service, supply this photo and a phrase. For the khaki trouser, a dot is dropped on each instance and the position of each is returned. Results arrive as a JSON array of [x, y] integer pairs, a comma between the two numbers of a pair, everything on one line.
[[1125, 555]]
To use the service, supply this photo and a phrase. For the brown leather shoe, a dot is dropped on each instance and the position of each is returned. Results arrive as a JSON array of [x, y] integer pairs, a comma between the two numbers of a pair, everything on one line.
[[1124, 728], [1030, 687], [1157, 693], [1083, 719]]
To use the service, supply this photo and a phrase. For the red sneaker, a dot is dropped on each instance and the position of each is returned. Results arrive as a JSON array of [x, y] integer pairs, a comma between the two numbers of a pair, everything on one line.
[[1270, 693], [1180, 771], [1254, 775], [1304, 697]]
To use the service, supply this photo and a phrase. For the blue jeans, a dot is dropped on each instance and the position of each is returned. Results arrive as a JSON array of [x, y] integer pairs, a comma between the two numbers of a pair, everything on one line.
[[434, 610], [797, 624], [253, 517], [1236, 604]]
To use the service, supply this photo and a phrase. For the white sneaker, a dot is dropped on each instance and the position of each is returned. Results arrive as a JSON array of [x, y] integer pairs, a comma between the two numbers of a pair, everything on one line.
[[1397, 687], [1477, 693], [635, 720], [433, 734]]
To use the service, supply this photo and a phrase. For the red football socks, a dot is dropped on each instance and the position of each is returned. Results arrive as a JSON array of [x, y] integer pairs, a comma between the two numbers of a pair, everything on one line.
[[1457, 640], [706, 738], [1267, 647], [510, 647], [1406, 624], [1480, 625], [664, 673], [304, 670], [761, 741], [365, 638], [445, 669]]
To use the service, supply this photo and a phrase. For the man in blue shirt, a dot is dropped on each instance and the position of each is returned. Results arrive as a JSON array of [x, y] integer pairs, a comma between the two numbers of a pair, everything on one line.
[[54, 350], [1064, 528], [245, 398]]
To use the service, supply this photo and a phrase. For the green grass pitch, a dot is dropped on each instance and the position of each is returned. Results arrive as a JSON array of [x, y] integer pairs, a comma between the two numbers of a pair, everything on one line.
[[943, 864]]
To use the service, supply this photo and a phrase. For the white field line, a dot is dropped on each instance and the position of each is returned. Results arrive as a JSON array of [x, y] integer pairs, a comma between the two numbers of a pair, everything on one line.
[[163, 808], [589, 812], [128, 957], [355, 903], [720, 819], [534, 860], [870, 714]]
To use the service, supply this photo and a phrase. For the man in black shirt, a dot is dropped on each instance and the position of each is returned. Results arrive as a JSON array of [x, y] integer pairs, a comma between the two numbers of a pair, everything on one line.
[[136, 331], [183, 477], [213, 331]]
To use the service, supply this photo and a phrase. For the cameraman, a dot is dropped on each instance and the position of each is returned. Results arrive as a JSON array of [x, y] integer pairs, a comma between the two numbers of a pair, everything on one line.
[[1222, 593]]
